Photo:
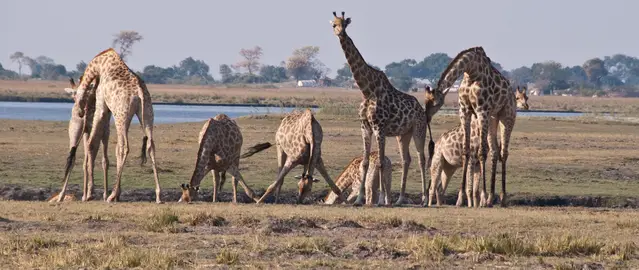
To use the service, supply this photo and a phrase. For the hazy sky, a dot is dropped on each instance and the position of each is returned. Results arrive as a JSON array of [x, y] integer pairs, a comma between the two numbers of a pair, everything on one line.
[[513, 32]]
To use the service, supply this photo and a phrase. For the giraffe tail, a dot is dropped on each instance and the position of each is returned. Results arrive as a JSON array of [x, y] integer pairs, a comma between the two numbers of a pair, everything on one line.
[[70, 161], [256, 149], [143, 153]]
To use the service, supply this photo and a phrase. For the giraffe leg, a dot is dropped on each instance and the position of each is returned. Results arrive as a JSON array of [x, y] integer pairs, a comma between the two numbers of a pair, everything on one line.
[[372, 183], [288, 166], [506, 129], [363, 168], [446, 174], [404, 152], [388, 180], [237, 176], [380, 136], [281, 160], [150, 147], [494, 152], [216, 183], [470, 195], [121, 153], [484, 122], [105, 156], [76, 134], [435, 171], [419, 137], [475, 178], [100, 118], [85, 170], [222, 179], [465, 117]]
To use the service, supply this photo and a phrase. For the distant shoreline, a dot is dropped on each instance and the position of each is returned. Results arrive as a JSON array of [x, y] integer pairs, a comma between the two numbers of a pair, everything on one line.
[[69, 100]]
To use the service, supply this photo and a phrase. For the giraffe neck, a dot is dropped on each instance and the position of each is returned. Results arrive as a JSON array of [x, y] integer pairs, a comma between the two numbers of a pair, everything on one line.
[[360, 69], [472, 61]]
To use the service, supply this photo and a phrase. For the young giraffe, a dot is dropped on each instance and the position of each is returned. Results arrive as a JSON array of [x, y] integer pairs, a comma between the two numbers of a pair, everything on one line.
[[350, 178], [448, 158], [123, 94], [484, 92], [219, 151], [384, 112], [299, 141]]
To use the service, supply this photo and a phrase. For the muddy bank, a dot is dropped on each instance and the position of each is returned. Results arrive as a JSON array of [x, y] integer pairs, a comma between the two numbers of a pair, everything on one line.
[[19, 193]]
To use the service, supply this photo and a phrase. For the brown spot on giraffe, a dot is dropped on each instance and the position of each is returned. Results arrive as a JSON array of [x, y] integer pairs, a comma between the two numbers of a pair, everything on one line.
[[350, 178], [219, 152], [448, 158], [299, 141], [480, 81], [123, 94], [385, 112]]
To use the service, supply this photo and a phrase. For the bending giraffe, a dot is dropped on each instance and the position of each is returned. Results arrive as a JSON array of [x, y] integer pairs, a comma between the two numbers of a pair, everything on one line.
[[299, 141], [123, 94], [79, 128], [448, 158], [483, 92], [350, 178], [219, 151], [385, 112]]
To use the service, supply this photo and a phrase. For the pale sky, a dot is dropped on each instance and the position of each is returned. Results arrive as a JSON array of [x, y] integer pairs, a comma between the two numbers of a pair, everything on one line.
[[513, 32]]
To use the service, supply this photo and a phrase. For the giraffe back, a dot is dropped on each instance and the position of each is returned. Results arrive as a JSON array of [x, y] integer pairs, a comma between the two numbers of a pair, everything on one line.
[[297, 131]]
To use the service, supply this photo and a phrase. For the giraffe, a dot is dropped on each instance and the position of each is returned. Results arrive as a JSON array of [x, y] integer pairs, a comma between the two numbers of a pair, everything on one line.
[[384, 112], [448, 158], [65, 197], [484, 92], [123, 94], [299, 141], [219, 151], [350, 178], [79, 128]]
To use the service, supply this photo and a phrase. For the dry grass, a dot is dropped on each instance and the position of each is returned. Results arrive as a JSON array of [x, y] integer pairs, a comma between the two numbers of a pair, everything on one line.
[[519, 237]]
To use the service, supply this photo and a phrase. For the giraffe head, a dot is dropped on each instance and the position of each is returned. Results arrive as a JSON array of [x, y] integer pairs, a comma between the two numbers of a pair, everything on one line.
[[78, 94], [522, 98], [305, 186], [433, 101], [188, 193], [339, 24]]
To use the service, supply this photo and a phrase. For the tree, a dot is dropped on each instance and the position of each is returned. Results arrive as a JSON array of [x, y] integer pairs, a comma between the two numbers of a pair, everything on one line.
[[595, 70], [125, 40], [344, 73], [273, 74], [403, 83], [190, 67], [621, 66], [80, 67], [303, 64], [18, 57], [227, 73], [432, 67], [251, 60], [576, 76], [549, 76], [521, 76], [405, 68]]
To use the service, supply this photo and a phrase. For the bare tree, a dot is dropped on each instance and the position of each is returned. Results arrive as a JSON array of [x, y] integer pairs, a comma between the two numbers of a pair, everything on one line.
[[251, 60], [125, 40], [18, 57]]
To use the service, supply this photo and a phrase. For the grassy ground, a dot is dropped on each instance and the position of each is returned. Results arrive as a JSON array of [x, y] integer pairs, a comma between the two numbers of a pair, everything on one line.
[[204, 236], [284, 95], [547, 157]]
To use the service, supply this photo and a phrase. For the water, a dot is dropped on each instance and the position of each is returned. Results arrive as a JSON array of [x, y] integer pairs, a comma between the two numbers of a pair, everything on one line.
[[55, 111]]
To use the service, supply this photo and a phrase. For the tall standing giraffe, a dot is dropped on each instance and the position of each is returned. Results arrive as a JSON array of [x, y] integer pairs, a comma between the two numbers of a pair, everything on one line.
[[123, 94], [384, 112], [80, 128], [483, 92], [219, 151]]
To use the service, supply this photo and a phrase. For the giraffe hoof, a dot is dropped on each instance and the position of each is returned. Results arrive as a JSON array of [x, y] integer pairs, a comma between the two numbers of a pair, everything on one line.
[[159, 202]]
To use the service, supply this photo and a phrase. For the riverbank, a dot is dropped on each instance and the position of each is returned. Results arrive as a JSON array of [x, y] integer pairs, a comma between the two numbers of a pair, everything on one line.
[[53, 91]]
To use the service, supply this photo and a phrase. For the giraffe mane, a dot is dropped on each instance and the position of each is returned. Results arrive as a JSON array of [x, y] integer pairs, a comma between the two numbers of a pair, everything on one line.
[[105, 51], [457, 57]]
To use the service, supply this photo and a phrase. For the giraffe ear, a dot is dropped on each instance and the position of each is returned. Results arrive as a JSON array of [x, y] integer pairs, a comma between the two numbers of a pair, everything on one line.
[[446, 91], [427, 89], [70, 90], [348, 21]]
